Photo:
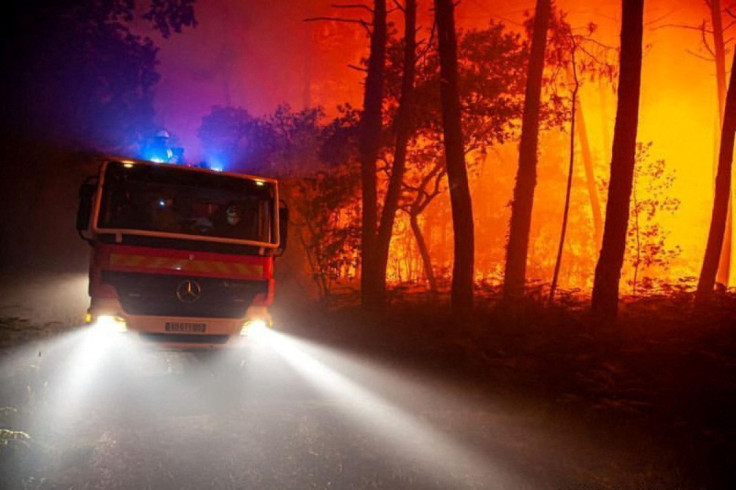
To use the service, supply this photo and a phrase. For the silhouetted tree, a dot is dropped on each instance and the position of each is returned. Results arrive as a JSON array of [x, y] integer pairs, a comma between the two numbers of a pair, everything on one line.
[[369, 141], [571, 164], [590, 182], [224, 134], [722, 195], [580, 58], [462, 210], [75, 72], [403, 128], [590, 63], [608, 269], [719, 56], [491, 66], [313, 158], [424, 191], [526, 177]]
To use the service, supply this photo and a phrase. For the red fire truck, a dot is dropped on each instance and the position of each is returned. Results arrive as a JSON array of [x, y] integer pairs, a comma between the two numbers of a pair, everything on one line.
[[182, 257]]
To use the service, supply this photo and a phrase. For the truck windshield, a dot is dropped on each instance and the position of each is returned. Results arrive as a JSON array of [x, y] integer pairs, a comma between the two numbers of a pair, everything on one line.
[[167, 199]]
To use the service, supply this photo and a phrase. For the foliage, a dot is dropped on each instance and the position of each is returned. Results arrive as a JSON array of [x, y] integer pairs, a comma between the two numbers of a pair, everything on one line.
[[78, 72], [326, 201], [592, 61], [647, 249], [327, 220], [491, 65], [314, 158], [224, 134], [278, 143], [491, 71]]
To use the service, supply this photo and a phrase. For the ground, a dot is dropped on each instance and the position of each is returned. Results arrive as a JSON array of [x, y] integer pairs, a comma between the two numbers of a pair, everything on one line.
[[543, 398]]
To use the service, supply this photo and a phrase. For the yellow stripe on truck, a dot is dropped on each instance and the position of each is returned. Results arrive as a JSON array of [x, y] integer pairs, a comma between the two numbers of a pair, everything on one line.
[[184, 265]]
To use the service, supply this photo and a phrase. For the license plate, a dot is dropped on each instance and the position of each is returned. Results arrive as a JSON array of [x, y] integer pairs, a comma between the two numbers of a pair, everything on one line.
[[185, 327]]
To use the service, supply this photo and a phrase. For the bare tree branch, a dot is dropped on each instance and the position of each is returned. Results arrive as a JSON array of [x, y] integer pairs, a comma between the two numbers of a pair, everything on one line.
[[399, 6], [590, 55], [352, 6], [340, 19], [679, 26], [598, 43], [657, 20], [705, 40], [699, 55]]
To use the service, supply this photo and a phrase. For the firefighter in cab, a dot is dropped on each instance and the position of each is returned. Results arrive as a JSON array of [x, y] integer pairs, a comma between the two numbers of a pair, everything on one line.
[[159, 149]]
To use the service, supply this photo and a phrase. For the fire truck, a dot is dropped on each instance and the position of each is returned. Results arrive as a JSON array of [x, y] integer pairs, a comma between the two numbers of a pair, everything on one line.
[[181, 257]]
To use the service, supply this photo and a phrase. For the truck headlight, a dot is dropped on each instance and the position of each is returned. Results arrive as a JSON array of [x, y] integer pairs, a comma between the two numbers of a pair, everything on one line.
[[253, 326], [110, 324]]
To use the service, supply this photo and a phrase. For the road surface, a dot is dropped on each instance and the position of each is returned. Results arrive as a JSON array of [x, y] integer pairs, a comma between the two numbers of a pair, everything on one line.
[[108, 412]]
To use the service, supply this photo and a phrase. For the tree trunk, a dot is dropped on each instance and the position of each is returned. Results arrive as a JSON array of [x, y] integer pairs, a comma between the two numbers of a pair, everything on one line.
[[603, 113], [595, 201], [526, 176], [423, 251], [568, 190], [721, 199], [582, 133], [724, 266], [623, 157], [457, 176], [403, 128], [368, 144], [720, 53]]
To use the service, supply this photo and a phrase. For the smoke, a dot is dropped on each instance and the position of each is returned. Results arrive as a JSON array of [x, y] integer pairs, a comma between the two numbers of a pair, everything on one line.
[[43, 298], [255, 55]]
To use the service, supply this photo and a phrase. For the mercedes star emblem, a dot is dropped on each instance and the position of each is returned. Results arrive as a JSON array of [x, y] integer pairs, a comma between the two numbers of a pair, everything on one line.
[[188, 291]]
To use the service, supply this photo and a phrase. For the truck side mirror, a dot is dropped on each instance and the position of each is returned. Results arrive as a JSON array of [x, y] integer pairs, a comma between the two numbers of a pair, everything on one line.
[[283, 228], [84, 211]]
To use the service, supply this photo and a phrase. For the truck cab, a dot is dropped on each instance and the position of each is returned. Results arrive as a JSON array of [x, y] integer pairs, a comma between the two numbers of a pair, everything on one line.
[[181, 257]]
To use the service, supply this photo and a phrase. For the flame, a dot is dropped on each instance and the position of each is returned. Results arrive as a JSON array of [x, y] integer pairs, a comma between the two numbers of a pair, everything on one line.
[[678, 115]]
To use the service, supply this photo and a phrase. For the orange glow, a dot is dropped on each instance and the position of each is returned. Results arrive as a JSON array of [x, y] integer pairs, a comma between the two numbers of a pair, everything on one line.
[[678, 115]]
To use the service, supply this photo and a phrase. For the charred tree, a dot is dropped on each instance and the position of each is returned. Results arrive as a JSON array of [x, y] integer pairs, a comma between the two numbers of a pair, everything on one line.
[[623, 157], [368, 145], [526, 176], [721, 199], [427, 189], [403, 128], [719, 52], [457, 175], [570, 168], [595, 202], [423, 252]]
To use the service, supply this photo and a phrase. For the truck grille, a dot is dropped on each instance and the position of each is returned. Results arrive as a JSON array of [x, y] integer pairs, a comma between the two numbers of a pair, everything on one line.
[[156, 294]]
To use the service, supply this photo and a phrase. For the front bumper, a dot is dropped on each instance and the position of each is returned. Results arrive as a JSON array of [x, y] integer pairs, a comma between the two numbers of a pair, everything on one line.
[[181, 333]]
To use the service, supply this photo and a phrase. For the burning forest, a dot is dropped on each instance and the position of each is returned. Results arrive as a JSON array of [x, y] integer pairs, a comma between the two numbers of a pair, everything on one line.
[[486, 177], [314, 136]]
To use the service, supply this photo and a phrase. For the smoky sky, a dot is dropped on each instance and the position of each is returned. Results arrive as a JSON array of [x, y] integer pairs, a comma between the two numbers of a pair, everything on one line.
[[255, 55], [259, 54]]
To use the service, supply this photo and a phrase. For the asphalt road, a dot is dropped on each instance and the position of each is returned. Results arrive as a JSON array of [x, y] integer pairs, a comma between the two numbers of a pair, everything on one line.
[[105, 412]]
